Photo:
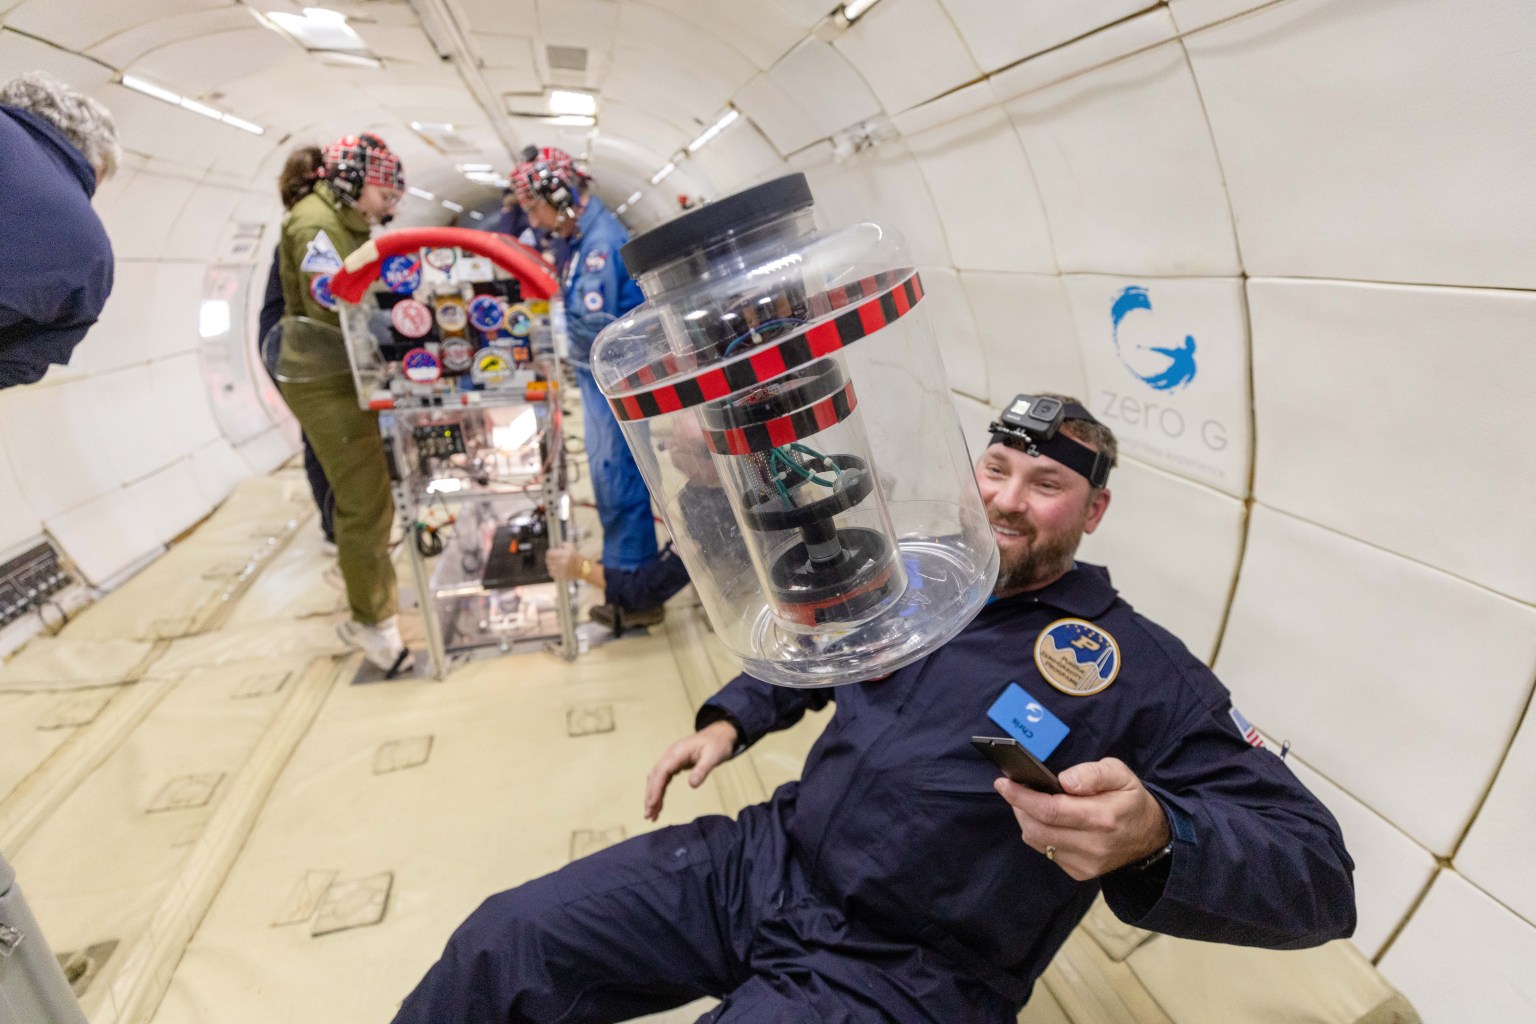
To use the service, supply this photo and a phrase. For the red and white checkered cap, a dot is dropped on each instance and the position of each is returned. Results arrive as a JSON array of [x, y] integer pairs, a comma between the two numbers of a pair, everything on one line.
[[547, 176], [353, 161]]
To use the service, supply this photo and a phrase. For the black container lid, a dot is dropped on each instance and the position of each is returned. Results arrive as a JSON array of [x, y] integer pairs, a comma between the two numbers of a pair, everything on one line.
[[713, 221]]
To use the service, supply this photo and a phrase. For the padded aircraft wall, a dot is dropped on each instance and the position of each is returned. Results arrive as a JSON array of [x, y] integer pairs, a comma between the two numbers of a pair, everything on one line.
[[1282, 248]]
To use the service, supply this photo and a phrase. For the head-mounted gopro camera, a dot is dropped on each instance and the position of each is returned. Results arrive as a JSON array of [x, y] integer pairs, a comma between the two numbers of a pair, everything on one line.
[[1032, 424]]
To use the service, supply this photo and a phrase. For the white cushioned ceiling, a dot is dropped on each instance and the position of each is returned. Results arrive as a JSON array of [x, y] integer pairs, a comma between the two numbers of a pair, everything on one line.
[[1496, 855], [965, 131], [999, 32], [1391, 870], [1349, 381], [882, 185], [1323, 166], [1124, 160], [908, 51], [1198, 429], [1463, 957], [1193, 14], [1028, 336], [817, 85], [63, 24], [1401, 684], [137, 214], [1099, 49], [1172, 549]]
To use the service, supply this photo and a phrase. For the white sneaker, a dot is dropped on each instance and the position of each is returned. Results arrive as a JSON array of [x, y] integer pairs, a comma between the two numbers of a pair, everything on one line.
[[380, 644]]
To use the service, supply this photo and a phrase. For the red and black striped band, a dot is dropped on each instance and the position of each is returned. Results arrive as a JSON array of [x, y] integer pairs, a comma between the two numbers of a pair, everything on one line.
[[894, 294], [762, 437]]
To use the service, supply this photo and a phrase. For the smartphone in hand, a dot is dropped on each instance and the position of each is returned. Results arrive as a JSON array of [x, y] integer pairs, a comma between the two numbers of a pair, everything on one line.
[[1017, 763]]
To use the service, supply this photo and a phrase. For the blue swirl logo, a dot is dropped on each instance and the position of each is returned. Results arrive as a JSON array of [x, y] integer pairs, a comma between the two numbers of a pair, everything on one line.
[[1163, 369]]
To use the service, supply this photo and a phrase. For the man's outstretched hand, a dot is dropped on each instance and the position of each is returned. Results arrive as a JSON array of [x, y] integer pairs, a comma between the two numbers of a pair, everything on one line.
[[1104, 820], [702, 752]]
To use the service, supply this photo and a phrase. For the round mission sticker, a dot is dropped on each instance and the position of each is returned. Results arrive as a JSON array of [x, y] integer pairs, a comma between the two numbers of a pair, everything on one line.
[[519, 322], [457, 354], [401, 274], [442, 259], [491, 368], [486, 313], [320, 290], [451, 315], [411, 318], [421, 366], [1077, 657]]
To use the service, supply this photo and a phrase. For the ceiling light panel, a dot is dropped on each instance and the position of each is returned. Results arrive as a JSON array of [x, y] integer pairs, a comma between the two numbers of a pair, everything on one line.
[[319, 29], [565, 101]]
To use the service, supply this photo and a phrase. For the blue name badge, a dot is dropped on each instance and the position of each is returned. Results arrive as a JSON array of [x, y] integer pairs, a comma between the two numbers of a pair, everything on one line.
[[1028, 721]]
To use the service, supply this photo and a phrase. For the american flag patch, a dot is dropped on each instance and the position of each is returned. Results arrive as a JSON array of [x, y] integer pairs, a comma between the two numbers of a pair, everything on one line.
[[1246, 728]]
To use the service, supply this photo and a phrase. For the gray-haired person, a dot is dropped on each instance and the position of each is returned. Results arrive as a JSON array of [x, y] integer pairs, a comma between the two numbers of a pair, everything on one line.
[[56, 146]]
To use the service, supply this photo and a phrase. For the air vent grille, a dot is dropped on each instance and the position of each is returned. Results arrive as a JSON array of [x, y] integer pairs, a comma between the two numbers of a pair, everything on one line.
[[567, 58]]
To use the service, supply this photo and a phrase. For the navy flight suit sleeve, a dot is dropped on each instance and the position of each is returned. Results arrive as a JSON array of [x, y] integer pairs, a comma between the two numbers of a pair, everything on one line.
[[1256, 861], [757, 708]]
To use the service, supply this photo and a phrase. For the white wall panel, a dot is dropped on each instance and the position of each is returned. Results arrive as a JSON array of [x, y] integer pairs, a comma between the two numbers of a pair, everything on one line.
[[882, 185], [908, 51], [949, 317], [1497, 853], [138, 214], [1028, 335], [761, 32], [777, 114], [1464, 958], [999, 32], [1092, 51], [1401, 684], [1345, 379], [180, 395], [129, 423], [268, 450], [826, 87], [1171, 377], [172, 499], [1172, 549], [19, 521], [738, 157], [974, 417], [1125, 163], [194, 234], [1001, 227], [218, 469], [107, 535], [1391, 870], [1194, 14], [1393, 157], [55, 447]]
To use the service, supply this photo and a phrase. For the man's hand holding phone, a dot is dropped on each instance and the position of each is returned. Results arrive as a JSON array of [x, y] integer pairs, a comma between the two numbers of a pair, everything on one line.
[[702, 751], [1102, 819]]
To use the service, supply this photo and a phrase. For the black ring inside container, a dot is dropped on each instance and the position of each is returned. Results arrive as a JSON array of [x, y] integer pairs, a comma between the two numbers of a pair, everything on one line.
[[852, 486], [781, 396], [839, 591]]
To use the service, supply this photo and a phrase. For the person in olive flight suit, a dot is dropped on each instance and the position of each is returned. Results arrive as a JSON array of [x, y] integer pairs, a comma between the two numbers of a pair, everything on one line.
[[901, 879], [358, 185]]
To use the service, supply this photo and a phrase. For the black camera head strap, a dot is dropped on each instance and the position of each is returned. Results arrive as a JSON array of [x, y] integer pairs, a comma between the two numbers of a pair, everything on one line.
[[1032, 424]]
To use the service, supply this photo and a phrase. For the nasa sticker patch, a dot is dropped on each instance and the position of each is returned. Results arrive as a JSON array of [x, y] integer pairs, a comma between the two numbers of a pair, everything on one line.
[[320, 290], [595, 262], [1077, 657], [457, 354], [421, 366], [486, 313], [401, 274], [411, 318]]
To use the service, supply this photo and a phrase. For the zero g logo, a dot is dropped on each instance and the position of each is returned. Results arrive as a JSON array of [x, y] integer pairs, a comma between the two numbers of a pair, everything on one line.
[[1162, 368]]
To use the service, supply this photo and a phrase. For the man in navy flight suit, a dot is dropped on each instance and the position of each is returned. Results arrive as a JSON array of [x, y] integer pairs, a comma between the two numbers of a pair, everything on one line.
[[597, 290], [901, 879]]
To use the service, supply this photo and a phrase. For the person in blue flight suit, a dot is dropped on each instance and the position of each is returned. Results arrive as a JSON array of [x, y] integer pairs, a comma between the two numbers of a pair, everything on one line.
[[597, 290], [901, 879], [56, 266]]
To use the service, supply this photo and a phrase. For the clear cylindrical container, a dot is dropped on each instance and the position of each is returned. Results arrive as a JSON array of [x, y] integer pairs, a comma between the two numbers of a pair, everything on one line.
[[783, 393]]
